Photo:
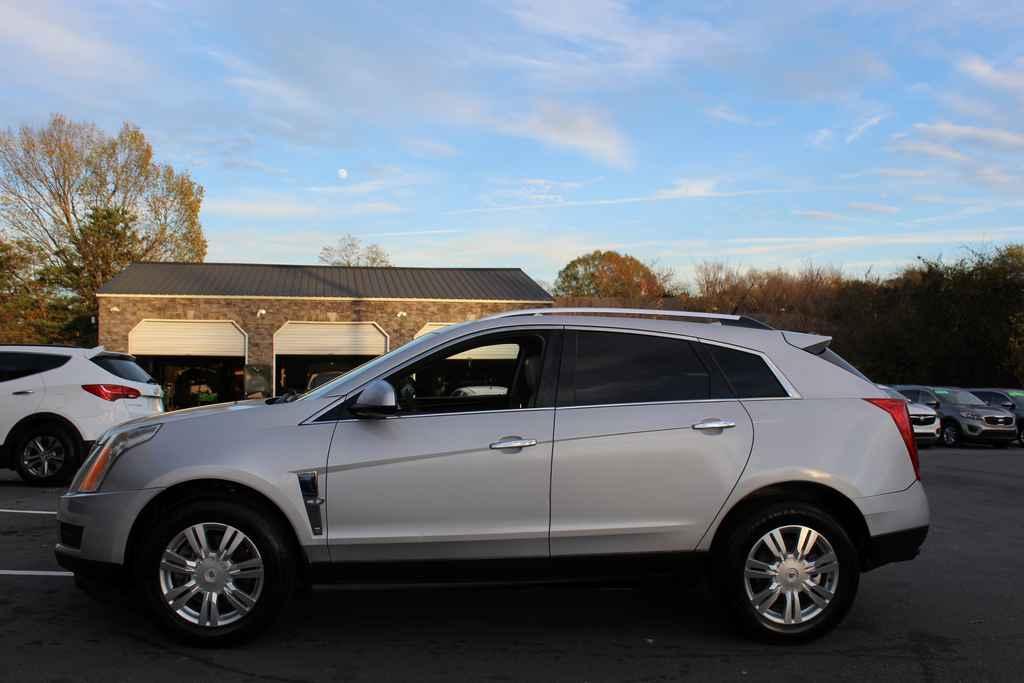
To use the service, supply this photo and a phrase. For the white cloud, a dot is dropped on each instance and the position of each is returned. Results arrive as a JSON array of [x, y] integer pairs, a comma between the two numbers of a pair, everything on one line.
[[1011, 80], [342, 174], [873, 208], [430, 148], [726, 113], [969, 106], [929, 149], [890, 172], [994, 137], [814, 215], [863, 127], [821, 137], [805, 244], [585, 130], [58, 40], [260, 208], [691, 188], [381, 179]]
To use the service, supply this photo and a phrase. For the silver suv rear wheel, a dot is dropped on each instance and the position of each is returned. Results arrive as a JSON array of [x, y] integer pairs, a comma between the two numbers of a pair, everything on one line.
[[791, 575]]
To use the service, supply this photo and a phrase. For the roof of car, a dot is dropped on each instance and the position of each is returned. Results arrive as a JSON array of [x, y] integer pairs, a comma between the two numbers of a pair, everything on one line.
[[308, 281]]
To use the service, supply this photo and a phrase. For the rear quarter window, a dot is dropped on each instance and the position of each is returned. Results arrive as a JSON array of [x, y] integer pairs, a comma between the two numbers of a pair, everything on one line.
[[125, 368], [748, 373], [17, 365]]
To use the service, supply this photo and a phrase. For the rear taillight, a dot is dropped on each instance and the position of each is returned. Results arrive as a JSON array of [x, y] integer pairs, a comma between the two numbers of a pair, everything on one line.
[[897, 409], [111, 392]]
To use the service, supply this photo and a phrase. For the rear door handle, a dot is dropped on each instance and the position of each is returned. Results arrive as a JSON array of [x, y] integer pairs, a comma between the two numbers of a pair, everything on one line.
[[713, 423], [23, 392], [513, 442]]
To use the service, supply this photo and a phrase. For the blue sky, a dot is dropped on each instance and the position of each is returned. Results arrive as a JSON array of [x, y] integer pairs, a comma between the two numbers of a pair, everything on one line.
[[525, 132]]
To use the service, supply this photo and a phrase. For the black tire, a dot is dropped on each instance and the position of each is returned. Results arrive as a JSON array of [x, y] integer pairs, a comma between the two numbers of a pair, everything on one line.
[[53, 439], [732, 588], [268, 536], [951, 435]]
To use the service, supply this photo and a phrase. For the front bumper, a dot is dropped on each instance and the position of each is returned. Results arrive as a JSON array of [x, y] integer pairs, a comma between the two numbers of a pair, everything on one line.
[[105, 520], [980, 432]]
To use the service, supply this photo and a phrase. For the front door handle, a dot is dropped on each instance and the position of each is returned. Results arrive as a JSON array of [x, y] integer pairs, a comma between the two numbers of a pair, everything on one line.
[[713, 423], [23, 392], [512, 442]]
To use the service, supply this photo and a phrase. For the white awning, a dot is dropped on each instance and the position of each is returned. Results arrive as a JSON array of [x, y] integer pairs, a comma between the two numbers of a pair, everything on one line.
[[187, 338], [299, 338], [430, 327]]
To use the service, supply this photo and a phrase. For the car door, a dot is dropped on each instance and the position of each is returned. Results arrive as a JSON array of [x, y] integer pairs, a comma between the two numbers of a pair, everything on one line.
[[21, 389], [648, 444], [463, 471]]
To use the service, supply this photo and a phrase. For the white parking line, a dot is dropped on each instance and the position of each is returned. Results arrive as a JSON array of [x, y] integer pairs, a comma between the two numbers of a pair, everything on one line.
[[28, 512], [28, 572]]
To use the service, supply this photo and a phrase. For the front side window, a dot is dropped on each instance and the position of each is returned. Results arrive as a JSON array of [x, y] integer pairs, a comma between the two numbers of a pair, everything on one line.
[[17, 365], [748, 373], [616, 367], [497, 372]]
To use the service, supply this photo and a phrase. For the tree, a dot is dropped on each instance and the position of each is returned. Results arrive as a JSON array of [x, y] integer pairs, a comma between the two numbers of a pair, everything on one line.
[[79, 205], [54, 178], [349, 251], [611, 274], [30, 311]]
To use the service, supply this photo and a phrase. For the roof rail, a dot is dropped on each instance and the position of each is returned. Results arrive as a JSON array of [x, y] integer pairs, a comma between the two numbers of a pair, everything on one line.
[[720, 318]]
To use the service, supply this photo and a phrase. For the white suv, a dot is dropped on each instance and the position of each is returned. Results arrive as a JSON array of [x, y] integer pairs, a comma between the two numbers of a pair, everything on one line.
[[55, 401]]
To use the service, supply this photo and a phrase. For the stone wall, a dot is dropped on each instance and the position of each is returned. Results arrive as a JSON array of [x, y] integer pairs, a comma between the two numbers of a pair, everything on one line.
[[114, 325]]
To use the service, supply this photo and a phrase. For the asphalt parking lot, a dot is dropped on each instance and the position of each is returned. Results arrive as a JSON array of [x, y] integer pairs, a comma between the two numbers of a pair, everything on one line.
[[956, 613]]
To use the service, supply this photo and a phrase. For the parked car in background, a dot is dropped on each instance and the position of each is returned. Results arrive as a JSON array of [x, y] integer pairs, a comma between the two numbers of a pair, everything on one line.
[[965, 417], [56, 400], [1008, 399], [927, 428], [621, 444]]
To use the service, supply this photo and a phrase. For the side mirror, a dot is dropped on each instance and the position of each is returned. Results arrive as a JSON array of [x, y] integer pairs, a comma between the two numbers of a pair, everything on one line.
[[934, 405], [1009, 405], [376, 402]]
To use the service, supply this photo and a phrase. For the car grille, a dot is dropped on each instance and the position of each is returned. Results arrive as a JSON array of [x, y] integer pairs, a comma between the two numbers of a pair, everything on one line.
[[922, 419], [997, 420]]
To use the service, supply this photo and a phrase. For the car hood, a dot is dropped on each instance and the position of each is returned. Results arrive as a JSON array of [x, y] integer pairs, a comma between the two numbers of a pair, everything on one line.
[[200, 411], [983, 410], [920, 409]]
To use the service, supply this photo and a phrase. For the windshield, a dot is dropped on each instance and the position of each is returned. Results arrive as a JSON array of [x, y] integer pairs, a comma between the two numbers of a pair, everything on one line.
[[959, 397], [368, 367]]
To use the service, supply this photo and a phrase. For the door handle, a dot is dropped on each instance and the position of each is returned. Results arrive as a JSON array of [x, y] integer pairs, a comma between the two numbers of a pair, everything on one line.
[[513, 442], [713, 423], [23, 392]]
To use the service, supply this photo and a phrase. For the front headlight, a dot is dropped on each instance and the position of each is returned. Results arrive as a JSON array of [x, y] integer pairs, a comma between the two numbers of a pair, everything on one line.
[[970, 415], [106, 451]]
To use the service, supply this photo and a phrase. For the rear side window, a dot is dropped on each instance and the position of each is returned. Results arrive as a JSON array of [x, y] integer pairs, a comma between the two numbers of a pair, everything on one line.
[[18, 365], [614, 367], [122, 367], [748, 374]]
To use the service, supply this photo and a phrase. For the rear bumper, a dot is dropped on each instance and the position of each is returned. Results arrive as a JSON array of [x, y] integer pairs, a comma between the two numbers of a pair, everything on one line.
[[899, 546]]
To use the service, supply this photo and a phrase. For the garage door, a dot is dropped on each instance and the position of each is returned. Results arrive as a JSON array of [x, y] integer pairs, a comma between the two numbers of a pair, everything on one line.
[[330, 339], [494, 352], [187, 338]]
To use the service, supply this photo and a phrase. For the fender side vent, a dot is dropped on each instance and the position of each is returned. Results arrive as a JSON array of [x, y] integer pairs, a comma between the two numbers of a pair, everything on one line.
[[309, 487]]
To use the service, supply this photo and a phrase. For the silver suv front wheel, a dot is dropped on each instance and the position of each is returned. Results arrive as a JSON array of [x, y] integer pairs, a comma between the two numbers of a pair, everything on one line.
[[216, 572]]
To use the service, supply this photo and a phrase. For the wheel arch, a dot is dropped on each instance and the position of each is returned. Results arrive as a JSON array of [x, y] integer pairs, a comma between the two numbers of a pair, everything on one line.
[[210, 489], [831, 500], [43, 417]]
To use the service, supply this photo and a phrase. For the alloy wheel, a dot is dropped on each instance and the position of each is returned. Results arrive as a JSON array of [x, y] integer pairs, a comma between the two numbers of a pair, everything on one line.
[[791, 575], [950, 436], [43, 456], [211, 574]]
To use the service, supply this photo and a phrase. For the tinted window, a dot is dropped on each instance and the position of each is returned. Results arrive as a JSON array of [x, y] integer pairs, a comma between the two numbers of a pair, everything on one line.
[[748, 374], [912, 394], [613, 367], [18, 365], [498, 372], [122, 367]]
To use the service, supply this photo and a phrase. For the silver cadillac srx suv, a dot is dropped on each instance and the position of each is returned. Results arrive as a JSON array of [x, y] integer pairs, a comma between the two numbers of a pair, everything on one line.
[[549, 443]]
